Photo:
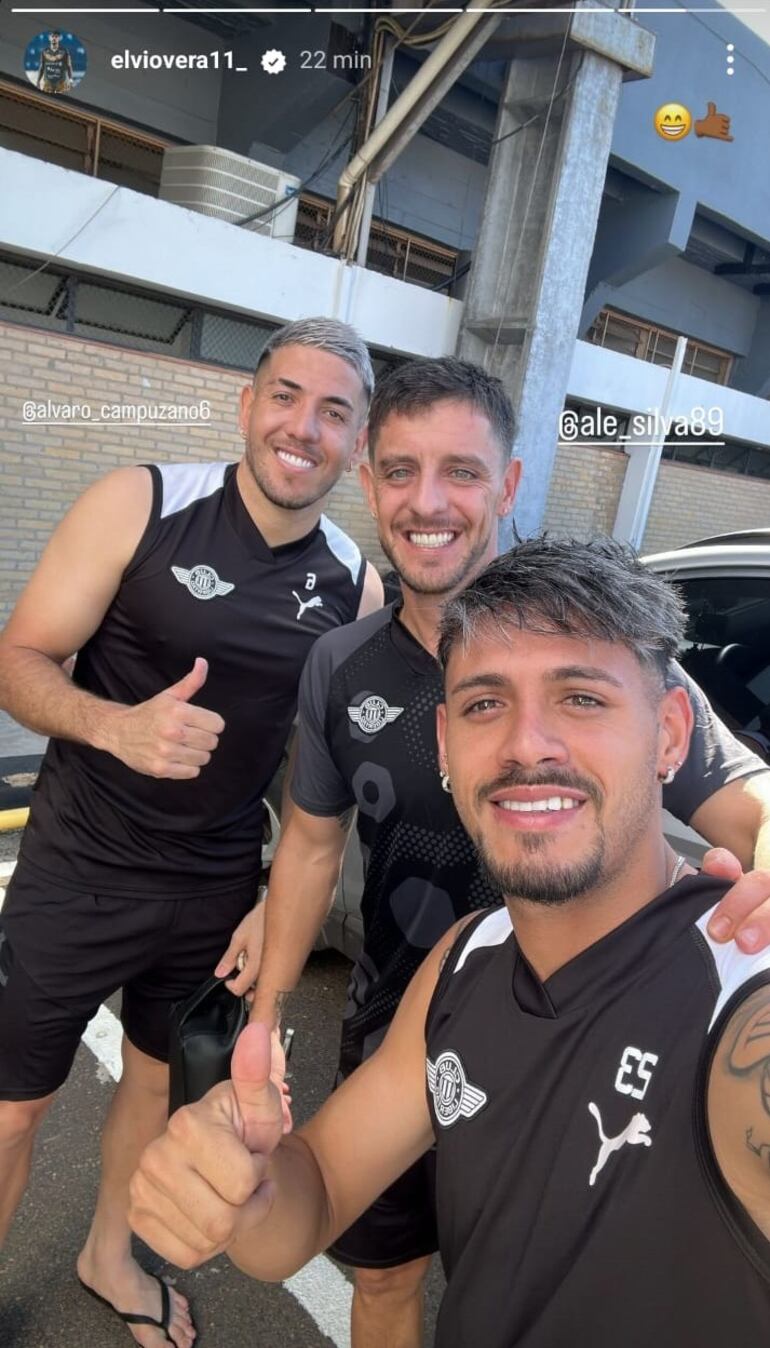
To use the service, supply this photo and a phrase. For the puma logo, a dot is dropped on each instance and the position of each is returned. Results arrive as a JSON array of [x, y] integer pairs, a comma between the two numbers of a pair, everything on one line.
[[315, 602], [636, 1132]]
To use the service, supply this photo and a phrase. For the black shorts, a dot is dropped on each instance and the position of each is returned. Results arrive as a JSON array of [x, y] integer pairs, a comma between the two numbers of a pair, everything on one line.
[[62, 952], [399, 1226]]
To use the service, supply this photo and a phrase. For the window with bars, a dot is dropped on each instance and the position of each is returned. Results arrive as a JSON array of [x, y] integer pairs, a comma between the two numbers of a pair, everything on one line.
[[64, 302], [632, 337], [729, 457]]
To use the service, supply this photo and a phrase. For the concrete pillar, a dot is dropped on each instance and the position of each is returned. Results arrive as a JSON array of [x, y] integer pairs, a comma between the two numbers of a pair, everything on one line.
[[527, 283]]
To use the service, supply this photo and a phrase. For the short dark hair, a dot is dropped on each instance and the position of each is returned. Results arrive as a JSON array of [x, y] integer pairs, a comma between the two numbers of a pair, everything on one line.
[[416, 385], [594, 589]]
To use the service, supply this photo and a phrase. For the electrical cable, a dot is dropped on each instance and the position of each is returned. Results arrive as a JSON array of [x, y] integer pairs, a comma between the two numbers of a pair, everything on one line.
[[66, 244], [369, 83], [329, 155], [348, 206], [530, 120]]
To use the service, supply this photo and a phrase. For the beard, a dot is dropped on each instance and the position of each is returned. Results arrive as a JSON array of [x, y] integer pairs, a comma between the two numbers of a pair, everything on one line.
[[544, 882], [443, 582], [285, 498], [534, 876]]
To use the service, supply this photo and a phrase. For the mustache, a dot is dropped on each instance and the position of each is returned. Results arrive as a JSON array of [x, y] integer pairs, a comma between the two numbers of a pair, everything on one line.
[[552, 777]]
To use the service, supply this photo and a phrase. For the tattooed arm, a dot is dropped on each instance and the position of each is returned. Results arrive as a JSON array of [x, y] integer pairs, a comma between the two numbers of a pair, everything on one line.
[[739, 1106], [303, 878]]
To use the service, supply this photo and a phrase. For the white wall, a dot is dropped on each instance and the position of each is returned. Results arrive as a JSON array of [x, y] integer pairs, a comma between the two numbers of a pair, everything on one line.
[[126, 235], [629, 385]]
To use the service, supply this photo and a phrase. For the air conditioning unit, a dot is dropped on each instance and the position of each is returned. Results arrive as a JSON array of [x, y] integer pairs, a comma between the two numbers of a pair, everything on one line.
[[231, 187]]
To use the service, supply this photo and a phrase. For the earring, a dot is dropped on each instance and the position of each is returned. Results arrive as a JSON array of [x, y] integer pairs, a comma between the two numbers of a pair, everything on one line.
[[670, 774], [446, 785]]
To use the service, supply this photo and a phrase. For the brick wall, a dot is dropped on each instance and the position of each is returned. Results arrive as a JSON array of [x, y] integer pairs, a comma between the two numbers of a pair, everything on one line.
[[44, 468], [585, 490], [690, 503]]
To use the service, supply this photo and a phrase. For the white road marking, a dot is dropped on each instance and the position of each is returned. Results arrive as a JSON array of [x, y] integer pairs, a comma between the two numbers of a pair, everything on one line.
[[319, 1287], [326, 1295], [103, 1036], [6, 871]]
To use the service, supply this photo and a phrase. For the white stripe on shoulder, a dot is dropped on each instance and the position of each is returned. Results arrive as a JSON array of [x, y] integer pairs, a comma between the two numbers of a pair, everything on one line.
[[345, 550], [184, 483], [494, 930], [733, 968]]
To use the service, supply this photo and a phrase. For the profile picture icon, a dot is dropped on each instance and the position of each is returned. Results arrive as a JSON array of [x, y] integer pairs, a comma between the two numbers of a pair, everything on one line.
[[55, 61]]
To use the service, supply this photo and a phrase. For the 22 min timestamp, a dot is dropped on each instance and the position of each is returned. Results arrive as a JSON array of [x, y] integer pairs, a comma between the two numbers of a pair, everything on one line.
[[318, 60]]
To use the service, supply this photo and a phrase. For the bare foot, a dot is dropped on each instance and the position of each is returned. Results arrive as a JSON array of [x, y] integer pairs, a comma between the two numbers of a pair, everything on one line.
[[128, 1289]]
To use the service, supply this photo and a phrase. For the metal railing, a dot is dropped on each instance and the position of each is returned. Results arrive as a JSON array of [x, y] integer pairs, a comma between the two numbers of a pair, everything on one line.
[[392, 250], [36, 125], [645, 341]]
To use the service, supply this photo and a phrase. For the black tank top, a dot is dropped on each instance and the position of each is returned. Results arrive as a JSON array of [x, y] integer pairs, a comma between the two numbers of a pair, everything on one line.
[[202, 582], [579, 1202]]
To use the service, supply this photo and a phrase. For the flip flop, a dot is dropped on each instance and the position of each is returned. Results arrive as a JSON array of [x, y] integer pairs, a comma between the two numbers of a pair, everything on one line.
[[129, 1319]]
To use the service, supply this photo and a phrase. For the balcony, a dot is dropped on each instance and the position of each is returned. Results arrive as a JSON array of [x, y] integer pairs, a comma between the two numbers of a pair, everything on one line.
[[33, 124], [392, 251], [644, 341]]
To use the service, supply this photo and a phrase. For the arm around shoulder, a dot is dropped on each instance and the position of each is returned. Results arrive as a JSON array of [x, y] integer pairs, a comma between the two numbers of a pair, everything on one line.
[[737, 817]]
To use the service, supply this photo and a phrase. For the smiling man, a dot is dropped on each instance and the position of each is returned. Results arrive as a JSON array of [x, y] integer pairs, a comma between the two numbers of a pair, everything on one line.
[[592, 1068], [142, 852], [439, 479]]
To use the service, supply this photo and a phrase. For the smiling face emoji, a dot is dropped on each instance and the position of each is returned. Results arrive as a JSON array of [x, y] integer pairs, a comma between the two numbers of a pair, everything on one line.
[[672, 121]]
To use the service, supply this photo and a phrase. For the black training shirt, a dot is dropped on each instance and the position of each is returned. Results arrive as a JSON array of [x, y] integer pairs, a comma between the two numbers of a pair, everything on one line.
[[367, 737], [579, 1202], [202, 582]]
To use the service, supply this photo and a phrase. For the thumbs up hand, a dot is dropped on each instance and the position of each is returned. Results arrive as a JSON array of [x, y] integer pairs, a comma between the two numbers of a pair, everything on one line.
[[166, 736], [202, 1183], [257, 1072]]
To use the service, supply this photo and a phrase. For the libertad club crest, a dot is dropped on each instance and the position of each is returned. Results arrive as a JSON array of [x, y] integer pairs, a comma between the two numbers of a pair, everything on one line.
[[373, 714], [202, 581], [453, 1095]]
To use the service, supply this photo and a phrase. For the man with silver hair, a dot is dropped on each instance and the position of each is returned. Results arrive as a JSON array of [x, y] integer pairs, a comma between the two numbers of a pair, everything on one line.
[[192, 593]]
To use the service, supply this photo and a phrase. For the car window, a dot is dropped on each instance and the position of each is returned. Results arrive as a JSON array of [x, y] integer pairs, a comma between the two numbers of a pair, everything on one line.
[[727, 650]]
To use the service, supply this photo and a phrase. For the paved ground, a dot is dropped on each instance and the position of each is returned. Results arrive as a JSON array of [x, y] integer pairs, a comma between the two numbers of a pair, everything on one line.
[[41, 1305], [16, 741], [20, 753]]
